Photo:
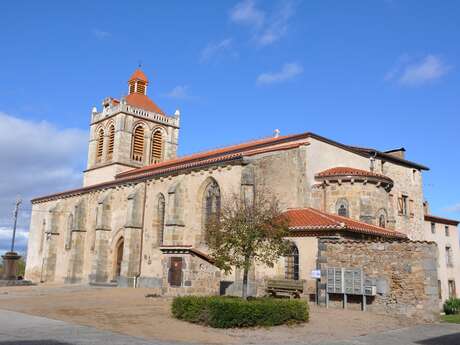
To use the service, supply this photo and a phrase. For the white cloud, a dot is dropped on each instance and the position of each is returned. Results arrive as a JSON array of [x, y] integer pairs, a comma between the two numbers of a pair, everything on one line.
[[37, 159], [100, 34], [416, 72], [245, 12], [267, 28], [179, 92], [215, 49], [453, 208], [288, 71]]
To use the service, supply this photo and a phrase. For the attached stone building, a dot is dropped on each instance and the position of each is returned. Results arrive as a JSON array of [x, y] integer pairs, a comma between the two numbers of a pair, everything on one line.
[[138, 220]]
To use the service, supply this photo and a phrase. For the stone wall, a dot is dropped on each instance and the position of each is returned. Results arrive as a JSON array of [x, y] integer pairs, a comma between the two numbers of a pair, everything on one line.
[[366, 201], [405, 273]]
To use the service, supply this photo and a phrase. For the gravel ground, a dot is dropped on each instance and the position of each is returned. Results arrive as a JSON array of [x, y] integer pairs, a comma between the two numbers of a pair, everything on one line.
[[129, 312]]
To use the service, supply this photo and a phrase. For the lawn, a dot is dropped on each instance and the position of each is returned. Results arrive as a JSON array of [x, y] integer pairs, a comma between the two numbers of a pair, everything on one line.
[[454, 318]]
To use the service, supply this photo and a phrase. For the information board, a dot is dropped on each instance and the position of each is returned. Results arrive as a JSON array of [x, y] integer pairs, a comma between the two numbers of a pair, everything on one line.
[[334, 280], [345, 280]]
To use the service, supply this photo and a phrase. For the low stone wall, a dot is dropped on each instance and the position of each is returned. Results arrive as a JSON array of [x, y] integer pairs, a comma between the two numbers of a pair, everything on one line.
[[405, 273]]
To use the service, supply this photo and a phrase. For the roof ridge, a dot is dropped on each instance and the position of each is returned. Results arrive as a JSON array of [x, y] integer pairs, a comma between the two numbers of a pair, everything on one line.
[[205, 154]]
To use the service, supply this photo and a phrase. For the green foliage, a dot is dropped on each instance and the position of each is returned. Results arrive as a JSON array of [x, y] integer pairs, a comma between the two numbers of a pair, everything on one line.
[[21, 267], [229, 312], [452, 306], [247, 231]]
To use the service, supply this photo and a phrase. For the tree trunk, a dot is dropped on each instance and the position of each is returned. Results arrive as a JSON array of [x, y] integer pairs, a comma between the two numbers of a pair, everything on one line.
[[245, 276], [245, 282]]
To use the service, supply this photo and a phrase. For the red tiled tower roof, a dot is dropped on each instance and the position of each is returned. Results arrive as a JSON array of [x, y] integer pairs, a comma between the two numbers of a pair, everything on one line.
[[144, 102], [312, 220], [139, 75]]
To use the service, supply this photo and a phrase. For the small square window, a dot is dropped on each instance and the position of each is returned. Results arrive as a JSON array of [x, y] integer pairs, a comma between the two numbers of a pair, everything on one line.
[[433, 228], [446, 228]]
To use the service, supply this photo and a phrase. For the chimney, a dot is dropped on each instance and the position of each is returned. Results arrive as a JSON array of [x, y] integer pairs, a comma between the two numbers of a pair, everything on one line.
[[398, 153], [426, 207]]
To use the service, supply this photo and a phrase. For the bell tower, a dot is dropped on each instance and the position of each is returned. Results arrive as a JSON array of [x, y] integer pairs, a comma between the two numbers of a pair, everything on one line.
[[129, 133]]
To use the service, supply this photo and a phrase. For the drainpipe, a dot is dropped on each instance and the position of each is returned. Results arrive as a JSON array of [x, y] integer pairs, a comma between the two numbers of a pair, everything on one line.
[[142, 236]]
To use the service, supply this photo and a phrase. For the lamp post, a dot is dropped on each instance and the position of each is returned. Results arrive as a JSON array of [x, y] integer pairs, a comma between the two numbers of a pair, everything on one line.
[[16, 211], [10, 259]]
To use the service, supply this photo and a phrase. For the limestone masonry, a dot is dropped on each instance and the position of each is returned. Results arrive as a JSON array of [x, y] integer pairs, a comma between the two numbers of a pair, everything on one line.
[[138, 219]]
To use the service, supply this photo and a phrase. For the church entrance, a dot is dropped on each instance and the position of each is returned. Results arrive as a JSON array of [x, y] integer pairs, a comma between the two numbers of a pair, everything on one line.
[[119, 257], [175, 272]]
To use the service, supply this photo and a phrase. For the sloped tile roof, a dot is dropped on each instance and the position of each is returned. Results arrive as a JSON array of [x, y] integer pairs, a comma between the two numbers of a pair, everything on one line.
[[347, 171], [144, 102], [310, 219], [221, 154], [447, 221], [139, 75]]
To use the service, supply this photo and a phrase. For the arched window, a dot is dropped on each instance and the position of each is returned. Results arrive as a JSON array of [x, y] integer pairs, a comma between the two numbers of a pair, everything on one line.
[[382, 218], [342, 207], [157, 147], [292, 263], [111, 142], [138, 144], [211, 202], [99, 145], [161, 218]]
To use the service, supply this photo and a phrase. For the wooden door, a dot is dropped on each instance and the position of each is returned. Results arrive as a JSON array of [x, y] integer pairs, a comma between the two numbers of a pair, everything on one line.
[[175, 272]]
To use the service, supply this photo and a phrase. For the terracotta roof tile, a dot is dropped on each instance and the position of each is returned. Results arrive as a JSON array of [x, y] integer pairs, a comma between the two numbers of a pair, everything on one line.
[[221, 154], [139, 75], [144, 102], [347, 171], [310, 219]]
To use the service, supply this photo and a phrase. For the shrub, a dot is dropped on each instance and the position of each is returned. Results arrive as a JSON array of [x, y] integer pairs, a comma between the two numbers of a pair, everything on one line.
[[452, 306], [227, 312]]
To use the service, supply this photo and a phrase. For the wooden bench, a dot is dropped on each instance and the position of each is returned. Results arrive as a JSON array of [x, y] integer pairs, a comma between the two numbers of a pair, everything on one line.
[[285, 287]]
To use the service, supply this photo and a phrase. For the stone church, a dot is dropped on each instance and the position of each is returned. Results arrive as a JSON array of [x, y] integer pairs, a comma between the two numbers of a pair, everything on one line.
[[138, 219]]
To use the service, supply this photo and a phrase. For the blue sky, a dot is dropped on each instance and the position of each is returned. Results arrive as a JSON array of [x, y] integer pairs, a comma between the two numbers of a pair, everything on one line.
[[378, 73]]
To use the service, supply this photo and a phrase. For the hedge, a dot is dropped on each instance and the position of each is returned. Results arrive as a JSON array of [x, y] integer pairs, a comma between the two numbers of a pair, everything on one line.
[[452, 306], [228, 312]]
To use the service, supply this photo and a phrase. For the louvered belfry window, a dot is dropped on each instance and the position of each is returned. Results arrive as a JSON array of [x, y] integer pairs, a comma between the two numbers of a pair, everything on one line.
[[100, 145], [111, 142], [138, 144], [157, 147], [132, 87], [140, 87]]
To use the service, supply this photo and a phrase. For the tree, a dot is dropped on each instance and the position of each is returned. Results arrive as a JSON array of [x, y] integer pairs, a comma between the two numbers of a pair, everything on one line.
[[244, 232]]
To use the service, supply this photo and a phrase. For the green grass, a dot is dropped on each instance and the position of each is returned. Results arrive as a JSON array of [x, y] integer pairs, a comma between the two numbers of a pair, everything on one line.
[[454, 318]]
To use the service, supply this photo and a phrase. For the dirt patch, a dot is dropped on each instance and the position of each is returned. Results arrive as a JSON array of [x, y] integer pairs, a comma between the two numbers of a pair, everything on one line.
[[128, 311]]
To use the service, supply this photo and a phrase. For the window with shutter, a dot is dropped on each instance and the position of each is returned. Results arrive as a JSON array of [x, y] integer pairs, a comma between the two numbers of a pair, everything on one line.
[[100, 145], [111, 142], [138, 144], [157, 147], [400, 206]]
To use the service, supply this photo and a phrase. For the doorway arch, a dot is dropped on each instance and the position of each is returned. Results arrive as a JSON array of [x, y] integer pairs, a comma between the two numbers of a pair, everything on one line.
[[118, 257]]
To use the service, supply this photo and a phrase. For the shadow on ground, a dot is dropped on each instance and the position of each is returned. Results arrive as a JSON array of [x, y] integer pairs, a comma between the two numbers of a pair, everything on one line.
[[450, 339], [33, 342]]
